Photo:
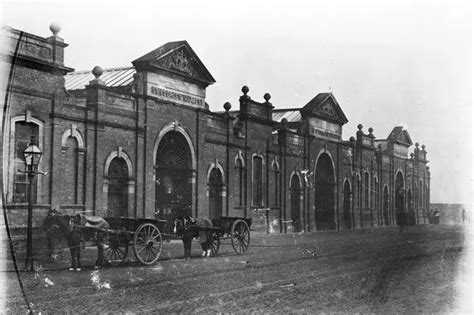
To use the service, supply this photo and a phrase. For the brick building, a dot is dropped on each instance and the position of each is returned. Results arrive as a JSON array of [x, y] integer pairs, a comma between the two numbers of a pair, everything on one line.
[[140, 141]]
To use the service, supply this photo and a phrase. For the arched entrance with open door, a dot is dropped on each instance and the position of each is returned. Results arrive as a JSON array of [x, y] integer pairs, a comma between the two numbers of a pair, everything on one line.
[[386, 216], [117, 190], [295, 199], [215, 186], [400, 199], [347, 205], [324, 193], [174, 177]]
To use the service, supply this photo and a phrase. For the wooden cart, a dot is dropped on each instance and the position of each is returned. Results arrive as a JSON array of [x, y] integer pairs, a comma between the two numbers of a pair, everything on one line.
[[234, 228], [144, 235]]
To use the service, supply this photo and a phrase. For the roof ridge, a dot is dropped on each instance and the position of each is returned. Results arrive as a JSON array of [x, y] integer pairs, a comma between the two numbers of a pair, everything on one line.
[[285, 109], [106, 69]]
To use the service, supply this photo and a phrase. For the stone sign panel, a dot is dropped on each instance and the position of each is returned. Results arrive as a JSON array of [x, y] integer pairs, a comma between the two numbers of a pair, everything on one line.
[[324, 129], [175, 90]]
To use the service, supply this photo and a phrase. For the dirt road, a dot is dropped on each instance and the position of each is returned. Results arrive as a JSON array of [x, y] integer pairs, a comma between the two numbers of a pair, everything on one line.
[[378, 270]]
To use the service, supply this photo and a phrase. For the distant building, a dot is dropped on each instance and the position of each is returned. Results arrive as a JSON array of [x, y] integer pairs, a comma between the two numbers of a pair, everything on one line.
[[140, 141]]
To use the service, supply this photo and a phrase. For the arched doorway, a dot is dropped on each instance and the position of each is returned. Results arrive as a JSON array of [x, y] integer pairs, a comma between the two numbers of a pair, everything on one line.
[[295, 199], [347, 205], [215, 193], [386, 217], [173, 186], [399, 199], [324, 193], [117, 192]]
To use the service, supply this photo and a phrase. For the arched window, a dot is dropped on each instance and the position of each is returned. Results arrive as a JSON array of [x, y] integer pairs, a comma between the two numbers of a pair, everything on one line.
[[386, 203], [119, 185], [215, 186], [420, 194], [415, 197], [72, 167], [366, 189], [295, 202], [240, 181], [70, 164], [257, 181], [24, 131], [376, 192], [347, 205], [276, 179], [359, 192]]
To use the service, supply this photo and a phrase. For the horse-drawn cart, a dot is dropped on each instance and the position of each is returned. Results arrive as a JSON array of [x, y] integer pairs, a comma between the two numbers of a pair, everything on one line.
[[141, 233], [147, 240], [234, 228], [113, 236]]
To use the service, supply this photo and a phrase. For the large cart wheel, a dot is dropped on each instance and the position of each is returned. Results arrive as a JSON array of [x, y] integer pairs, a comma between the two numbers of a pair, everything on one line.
[[147, 243], [214, 243], [240, 236], [118, 249]]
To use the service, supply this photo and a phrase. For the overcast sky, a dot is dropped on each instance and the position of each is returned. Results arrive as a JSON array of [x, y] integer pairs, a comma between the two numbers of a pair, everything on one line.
[[388, 63]]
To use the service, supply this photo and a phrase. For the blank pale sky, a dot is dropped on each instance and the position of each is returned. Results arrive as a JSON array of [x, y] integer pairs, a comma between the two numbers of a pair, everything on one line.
[[388, 63]]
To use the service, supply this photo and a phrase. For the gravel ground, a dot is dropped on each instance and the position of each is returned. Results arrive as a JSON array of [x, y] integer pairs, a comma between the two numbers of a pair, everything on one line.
[[368, 271]]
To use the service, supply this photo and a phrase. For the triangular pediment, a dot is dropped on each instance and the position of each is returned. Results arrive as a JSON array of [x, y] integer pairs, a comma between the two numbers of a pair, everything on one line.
[[177, 58], [325, 106], [401, 136]]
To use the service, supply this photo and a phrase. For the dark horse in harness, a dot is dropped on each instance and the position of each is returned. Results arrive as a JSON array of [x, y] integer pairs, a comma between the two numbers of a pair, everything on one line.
[[76, 229], [187, 228]]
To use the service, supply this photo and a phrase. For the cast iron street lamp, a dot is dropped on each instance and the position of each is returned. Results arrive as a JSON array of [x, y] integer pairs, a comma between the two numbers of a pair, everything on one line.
[[32, 156]]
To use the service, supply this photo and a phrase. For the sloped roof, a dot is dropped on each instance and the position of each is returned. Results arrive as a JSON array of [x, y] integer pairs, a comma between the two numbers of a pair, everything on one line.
[[113, 77], [400, 135], [149, 60], [292, 115], [319, 99], [160, 51], [315, 106]]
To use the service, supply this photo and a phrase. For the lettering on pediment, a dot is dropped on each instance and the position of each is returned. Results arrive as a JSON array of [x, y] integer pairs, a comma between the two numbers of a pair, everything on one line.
[[327, 109], [324, 129], [400, 150], [179, 61]]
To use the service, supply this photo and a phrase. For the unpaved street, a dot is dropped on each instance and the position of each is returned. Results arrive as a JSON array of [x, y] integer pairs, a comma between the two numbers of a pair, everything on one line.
[[378, 270]]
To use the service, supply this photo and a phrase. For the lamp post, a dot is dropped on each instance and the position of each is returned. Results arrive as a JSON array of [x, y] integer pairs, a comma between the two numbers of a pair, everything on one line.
[[32, 155]]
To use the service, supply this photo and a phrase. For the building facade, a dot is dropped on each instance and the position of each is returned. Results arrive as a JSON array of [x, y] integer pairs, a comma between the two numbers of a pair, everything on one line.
[[140, 141]]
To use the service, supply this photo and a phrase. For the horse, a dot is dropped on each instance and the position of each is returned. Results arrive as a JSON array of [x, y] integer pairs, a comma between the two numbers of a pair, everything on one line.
[[187, 228], [76, 229]]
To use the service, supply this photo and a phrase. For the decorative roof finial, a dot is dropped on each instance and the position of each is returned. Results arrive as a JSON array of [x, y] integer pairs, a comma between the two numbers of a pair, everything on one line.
[[359, 126], [267, 96], [245, 89], [97, 71], [55, 28], [227, 106]]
